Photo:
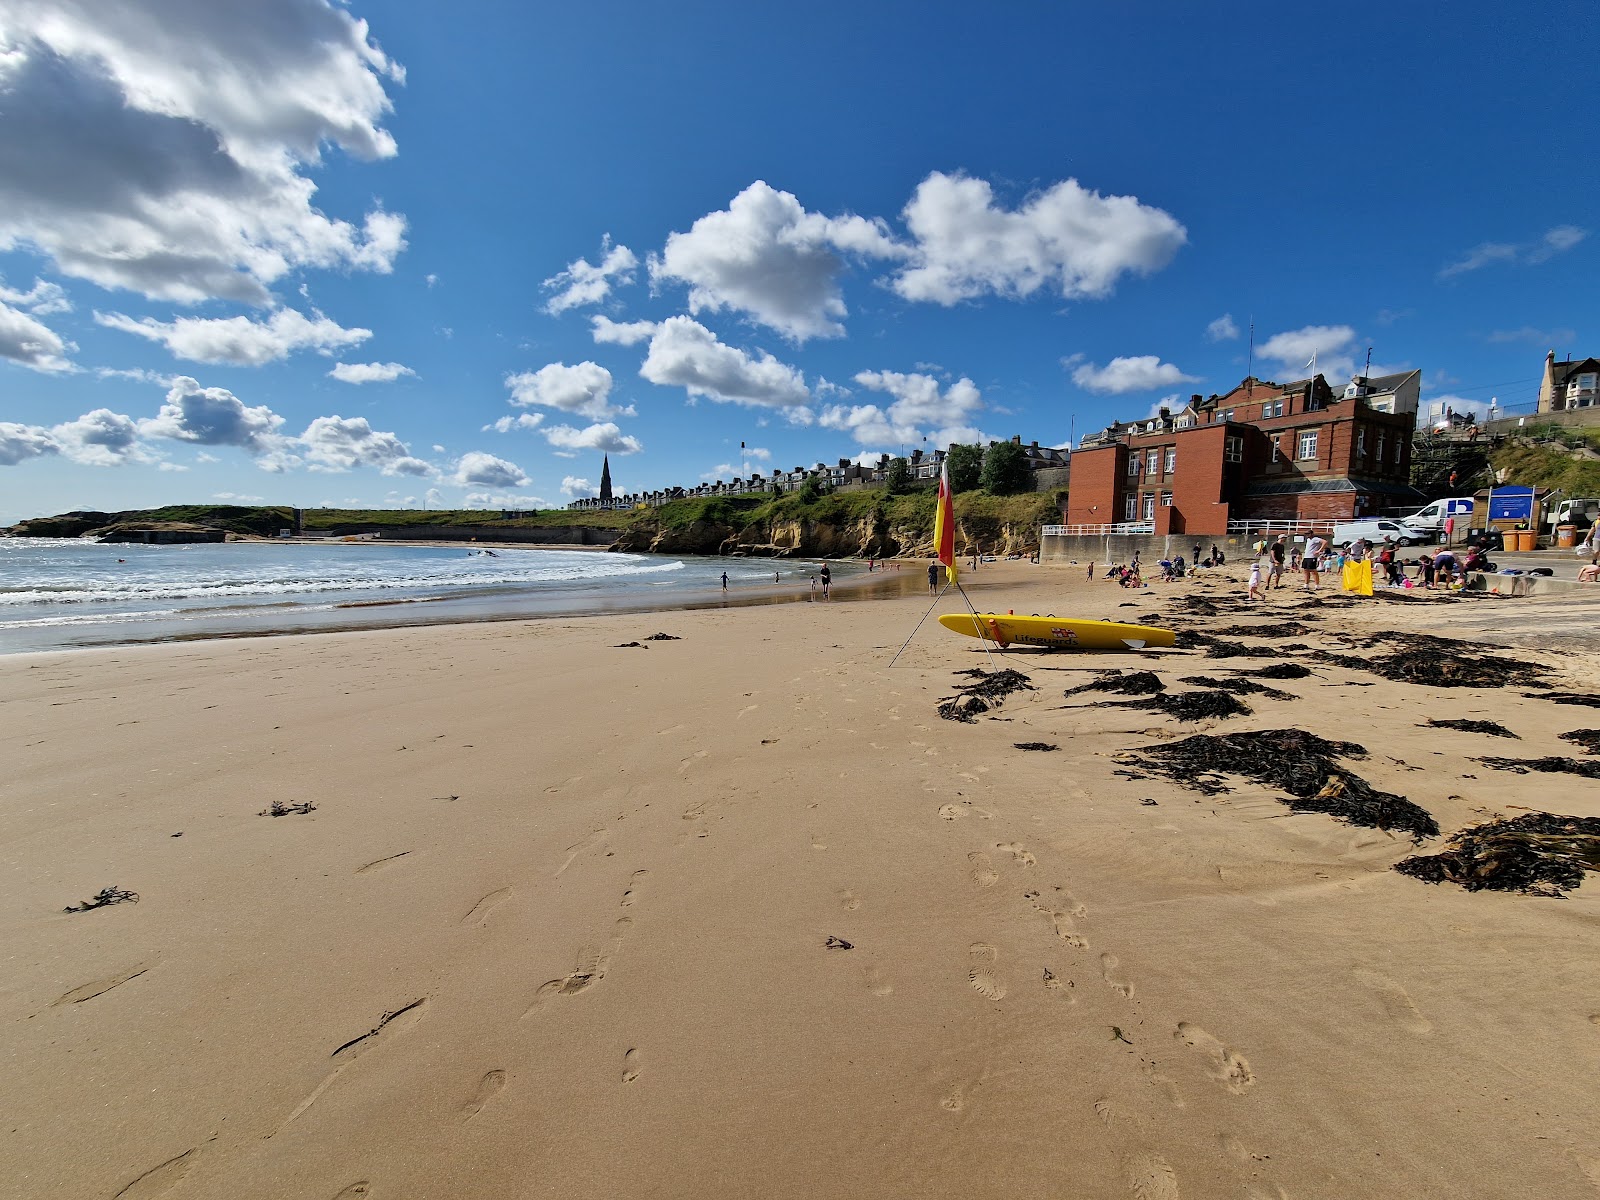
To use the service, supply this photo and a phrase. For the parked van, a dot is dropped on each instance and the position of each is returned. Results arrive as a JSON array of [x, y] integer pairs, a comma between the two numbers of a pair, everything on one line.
[[1429, 521], [1375, 531]]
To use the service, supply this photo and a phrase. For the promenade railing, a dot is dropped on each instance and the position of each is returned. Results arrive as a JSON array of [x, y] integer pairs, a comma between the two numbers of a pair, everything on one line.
[[1122, 529], [1249, 527]]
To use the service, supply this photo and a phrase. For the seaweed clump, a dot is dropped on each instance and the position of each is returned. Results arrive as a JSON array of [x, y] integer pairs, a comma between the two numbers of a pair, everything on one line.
[[1294, 761], [987, 690], [1286, 670], [1128, 683], [1035, 746], [1248, 687], [1589, 768], [1192, 706], [105, 896], [1440, 662], [1565, 698], [1589, 739], [1281, 629], [1540, 853], [1465, 725], [1218, 648]]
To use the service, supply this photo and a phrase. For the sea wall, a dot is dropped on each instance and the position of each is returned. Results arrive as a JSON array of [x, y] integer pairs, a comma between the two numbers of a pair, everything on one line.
[[1059, 548]]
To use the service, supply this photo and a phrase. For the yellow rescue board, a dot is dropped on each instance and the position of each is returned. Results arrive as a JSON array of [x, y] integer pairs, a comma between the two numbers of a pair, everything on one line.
[[1057, 633]]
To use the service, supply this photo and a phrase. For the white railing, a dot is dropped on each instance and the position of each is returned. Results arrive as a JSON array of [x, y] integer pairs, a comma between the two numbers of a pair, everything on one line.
[[1248, 527], [1119, 530]]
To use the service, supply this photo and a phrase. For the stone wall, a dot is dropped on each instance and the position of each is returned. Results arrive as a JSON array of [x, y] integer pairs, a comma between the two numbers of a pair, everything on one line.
[[1063, 548]]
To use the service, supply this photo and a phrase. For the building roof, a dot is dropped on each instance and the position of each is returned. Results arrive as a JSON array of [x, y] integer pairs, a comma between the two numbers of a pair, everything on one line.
[[1316, 487], [1560, 372]]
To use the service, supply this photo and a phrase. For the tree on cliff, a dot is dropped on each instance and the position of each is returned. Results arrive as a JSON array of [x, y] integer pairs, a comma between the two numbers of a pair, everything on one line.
[[897, 477], [1005, 470], [965, 464]]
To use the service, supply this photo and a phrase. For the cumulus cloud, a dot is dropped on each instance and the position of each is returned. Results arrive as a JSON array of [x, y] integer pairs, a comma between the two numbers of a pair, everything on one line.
[[577, 488], [1222, 329], [164, 147], [42, 299], [684, 353], [477, 469], [919, 409], [507, 423], [1554, 241], [583, 390], [767, 257], [339, 443], [100, 438], [25, 339], [1291, 351], [605, 437], [18, 443], [369, 372], [584, 283], [1140, 373], [213, 417], [621, 333], [240, 341], [1066, 238]]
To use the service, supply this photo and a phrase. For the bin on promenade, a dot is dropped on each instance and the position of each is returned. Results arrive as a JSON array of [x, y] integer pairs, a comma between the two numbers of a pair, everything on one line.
[[1527, 539], [1566, 536]]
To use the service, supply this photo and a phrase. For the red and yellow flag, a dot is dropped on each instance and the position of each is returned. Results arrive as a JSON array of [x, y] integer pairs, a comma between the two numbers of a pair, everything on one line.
[[944, 525]]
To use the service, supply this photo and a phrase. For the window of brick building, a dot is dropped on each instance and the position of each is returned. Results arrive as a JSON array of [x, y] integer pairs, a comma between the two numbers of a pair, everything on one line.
[[1172, 459], [1166, 499], [1308, 445], [1383, 435], [1149, 506], [1130, 508], [1133, 464], [1152, 462], [1276, 454], [1361, 440], [1233, 450]]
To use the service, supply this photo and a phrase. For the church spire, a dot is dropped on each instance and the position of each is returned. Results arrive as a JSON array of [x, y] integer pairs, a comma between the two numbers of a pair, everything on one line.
[[605, 480]]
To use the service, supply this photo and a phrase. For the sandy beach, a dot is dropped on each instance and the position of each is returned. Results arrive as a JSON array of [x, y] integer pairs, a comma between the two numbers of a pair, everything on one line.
[[739, 915]]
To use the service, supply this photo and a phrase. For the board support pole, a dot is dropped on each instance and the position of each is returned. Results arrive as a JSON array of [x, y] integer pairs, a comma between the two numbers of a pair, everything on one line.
[[983, 641], [976, 623]]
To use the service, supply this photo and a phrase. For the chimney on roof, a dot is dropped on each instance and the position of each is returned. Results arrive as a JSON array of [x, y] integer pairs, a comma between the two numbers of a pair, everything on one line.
[[1166, 413], [1035, 443], [1195, 398]]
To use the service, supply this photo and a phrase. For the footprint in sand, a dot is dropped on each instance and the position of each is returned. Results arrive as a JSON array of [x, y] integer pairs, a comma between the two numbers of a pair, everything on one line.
[[1228, 1067], [630, 1066], [1150, 1177], [1060, 920], [1020, 854], [817, 843], [488, 1088], [983, 980], [633, 883], [1108, 964], [983, 872], [954, 812], [685, 764], [876, 983], [159, 1178], [481, 910], [589, 969], [848, 900], [1395, 999], [357, 1189]]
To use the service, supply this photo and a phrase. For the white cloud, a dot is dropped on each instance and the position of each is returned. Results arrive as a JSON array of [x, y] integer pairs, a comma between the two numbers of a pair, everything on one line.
[[1539, 337], [1291, 351], [920, 409], [1141, 373], [684, 353], [18, 443], [766, 256], [42, 299], [1554, 241], [583, 390], [433, 498], [507, 423], [369, 372], [170, 466], [621, 333], [100, 438], [339, 443], [757, 453], [237, 497], [137, 374], [191, 128], [577, 488], [582, 283], [240, 341], [1222, 329], [504, 500], [604, 437], [477, 469], [431, 280], [25, 340], [214, 417], [1066, 238]]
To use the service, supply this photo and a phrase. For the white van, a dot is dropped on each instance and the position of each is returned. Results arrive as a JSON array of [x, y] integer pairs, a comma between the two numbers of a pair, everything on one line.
[[1375, 531], [1430, 521]]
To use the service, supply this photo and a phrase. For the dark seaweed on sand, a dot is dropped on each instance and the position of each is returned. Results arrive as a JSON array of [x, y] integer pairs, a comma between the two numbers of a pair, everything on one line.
[[1217, 648], [1200, 606], [1466, 725], [1587, 767], [987, 689], [1589, 739], [1281, 629], [1543, 854], [1276, 671], [1191, 639], [1294, 761], [1035, 746], [1191, 706], [1565, 698], [1130, 683], [1247, 687], [105, 896], [1440, 662], [663, 637]]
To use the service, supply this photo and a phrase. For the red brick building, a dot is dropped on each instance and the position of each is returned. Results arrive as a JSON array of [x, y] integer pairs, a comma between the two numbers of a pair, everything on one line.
[[1264, 451]]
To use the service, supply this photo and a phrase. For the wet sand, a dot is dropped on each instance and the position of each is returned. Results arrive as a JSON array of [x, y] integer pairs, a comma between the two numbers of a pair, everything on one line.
[[559, 922]]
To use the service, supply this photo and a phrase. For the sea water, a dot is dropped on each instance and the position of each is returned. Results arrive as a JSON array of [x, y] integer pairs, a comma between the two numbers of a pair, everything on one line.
[[57, 593]]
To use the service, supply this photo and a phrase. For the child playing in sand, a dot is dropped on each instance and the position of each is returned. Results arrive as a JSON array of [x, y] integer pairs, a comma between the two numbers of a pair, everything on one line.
[[1255, 580]]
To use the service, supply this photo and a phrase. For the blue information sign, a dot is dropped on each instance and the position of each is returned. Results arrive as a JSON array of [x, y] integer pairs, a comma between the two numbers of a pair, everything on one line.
[[1511, 504]]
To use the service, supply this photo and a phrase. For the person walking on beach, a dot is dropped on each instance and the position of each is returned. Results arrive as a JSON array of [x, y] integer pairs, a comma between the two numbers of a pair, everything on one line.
[[1311, 561], [1255, 581], [933, 579], [1277, 552], [724, 581], [1091, 572], [1195, 557], [827, 582]]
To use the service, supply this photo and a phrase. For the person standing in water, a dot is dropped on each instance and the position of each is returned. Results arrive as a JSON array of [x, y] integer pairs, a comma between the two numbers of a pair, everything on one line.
[[827, 582]]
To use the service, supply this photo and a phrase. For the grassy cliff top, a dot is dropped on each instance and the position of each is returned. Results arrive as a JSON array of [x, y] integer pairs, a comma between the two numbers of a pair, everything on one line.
[[913, 510]]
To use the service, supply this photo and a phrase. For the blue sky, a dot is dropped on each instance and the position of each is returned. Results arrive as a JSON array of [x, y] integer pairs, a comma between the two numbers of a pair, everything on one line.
[[405, 253]]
